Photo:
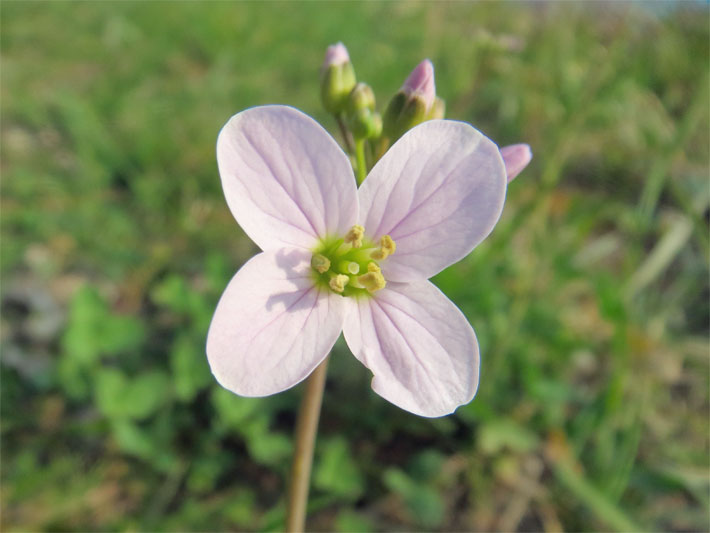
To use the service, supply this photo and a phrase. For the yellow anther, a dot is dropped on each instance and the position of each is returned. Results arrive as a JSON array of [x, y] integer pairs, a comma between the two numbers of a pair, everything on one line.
[[373, 280], [320, 262], [388, 245], [387, 248], [338, 282], [355, 235]]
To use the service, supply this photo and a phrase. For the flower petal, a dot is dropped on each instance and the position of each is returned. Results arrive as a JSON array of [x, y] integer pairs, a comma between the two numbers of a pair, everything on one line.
[[272, 326], [437, 192], [419, 346], [516, 157], [286, 180]]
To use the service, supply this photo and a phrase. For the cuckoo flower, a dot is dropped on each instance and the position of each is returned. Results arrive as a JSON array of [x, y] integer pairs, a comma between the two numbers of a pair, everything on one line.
[[336, 258]]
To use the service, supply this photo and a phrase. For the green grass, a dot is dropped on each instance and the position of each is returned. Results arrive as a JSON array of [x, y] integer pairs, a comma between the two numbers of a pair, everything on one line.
[[589, 300]]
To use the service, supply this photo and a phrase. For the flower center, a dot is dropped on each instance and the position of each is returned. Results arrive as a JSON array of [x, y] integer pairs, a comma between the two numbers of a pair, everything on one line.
[[350, 265]]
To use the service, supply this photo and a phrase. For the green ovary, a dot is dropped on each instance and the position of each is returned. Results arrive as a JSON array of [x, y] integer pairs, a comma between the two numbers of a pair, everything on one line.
[[350, 265]]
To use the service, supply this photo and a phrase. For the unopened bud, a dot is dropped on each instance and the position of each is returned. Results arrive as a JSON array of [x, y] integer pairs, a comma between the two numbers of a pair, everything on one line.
[[377, 126], [337, 78], [336, 54], [413, 102], [402, 114], [365, 124], [438, 109], [361, 97], [515, 157], [421, 83]]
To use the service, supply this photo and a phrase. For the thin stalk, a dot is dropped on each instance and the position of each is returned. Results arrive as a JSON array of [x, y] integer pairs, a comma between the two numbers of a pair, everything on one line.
[[306, 428], [347, 138], [360, 161]]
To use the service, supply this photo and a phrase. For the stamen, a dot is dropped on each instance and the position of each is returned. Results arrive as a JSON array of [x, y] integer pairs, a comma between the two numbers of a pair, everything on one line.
[[338, 282], [320, 262], [387, 248], [355, 235], [373, 280]]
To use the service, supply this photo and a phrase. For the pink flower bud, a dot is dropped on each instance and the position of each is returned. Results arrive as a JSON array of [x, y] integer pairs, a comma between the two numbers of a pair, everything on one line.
[[337, 78], [421, 83], [516, 157], [336, 54]]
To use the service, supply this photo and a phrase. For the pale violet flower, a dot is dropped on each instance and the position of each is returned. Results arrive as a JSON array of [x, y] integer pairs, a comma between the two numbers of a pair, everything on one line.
[[337, 258]]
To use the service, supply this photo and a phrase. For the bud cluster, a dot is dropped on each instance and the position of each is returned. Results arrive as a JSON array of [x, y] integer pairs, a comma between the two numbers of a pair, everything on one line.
[[354, 107]]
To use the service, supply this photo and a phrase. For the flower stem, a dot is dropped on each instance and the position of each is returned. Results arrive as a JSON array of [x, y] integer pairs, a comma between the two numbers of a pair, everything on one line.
[[306, 428], [360, 160], [347, 137]]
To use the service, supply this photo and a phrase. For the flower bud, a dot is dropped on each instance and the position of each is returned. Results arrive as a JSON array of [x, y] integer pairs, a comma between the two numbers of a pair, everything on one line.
[[412, 103], [337, 78], [365, 124], [402, 114], [376, 126], [361, 97], [438, 109], [420, 83], [515, 157]]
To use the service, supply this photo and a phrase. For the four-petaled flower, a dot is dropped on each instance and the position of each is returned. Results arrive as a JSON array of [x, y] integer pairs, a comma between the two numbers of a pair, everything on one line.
[[337, 258]]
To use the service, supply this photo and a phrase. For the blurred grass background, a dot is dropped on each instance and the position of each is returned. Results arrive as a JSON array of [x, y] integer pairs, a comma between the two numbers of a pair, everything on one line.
[[590, 299]]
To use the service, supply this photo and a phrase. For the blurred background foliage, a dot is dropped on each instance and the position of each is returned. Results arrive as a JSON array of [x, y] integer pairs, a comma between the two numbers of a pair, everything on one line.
[[590, 300]]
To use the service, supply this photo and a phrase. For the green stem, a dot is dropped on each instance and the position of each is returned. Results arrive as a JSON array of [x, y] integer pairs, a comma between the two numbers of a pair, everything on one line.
[[306, 428], [347, 137], [360, 160]]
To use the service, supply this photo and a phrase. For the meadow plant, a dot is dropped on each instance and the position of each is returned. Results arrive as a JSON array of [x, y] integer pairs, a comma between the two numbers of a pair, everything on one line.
[[349, 240]]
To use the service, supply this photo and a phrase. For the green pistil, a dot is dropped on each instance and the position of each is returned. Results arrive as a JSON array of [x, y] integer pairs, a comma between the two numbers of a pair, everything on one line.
[[347, 267], [334, 257]]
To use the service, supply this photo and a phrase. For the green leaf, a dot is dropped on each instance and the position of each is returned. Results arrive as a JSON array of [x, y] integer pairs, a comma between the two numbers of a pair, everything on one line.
[[426, 506], [336, 471], [218, 271], [118, 398], [132, 440], [93, 331], [150, 443], [173, 293], [81, 342], [234, 411], [119, 334], [426, 465], [176, 294], [265, 446], [189, 367], [249, 418], [349, 521], [147, 393], [242, 509], [205, 471], [505, 433], [423, 502]]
